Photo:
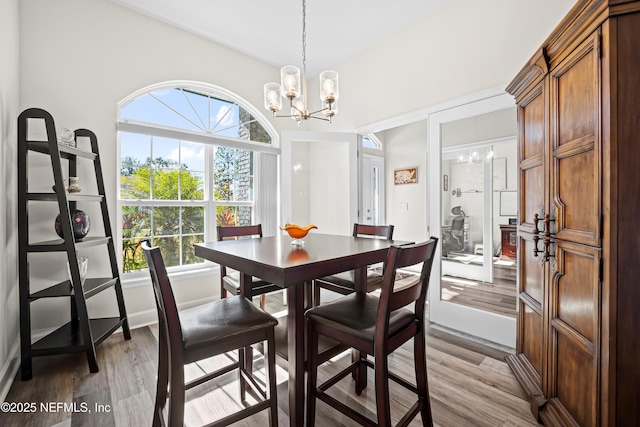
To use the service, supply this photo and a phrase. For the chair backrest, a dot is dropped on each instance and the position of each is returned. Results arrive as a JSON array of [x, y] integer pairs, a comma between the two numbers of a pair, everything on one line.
[[229, 232], [384, 231], [226, 232], [168, 319], [392, 299]]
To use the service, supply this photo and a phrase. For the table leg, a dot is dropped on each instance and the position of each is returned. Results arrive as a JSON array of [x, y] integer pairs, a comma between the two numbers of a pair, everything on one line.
[[245, 289], [295, 317]]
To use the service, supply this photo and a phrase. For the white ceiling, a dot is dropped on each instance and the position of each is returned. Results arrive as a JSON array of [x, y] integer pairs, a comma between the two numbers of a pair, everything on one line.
[[271, 30]]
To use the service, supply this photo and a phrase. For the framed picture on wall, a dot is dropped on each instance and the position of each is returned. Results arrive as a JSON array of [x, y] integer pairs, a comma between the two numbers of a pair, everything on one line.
[[405, 176]]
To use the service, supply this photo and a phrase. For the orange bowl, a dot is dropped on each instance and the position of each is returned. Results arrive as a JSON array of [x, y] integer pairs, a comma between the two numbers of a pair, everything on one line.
[[297, 231]]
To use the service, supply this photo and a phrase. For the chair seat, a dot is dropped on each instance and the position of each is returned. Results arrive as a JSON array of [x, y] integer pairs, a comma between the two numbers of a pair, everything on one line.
[[357, 314], [347, 280], [220, 320]]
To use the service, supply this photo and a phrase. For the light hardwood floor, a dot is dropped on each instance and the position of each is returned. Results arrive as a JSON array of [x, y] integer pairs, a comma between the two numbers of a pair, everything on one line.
[[498, 297], [470, 385]]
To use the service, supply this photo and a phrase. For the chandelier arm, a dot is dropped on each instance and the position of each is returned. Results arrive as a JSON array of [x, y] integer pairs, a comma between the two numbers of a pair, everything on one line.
[[320, 110], [320, 118], [297, 109], [288, 115]]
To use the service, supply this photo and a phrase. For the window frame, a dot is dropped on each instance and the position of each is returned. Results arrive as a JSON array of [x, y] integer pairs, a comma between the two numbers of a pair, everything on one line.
[[375, 141], [210, 141]]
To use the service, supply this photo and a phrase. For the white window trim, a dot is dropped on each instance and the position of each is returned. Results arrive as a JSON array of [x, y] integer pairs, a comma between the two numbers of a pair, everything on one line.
[[260, 213]]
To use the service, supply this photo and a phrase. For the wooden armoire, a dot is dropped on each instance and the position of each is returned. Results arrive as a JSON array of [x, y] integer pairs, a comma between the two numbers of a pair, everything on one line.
[[578, 334]]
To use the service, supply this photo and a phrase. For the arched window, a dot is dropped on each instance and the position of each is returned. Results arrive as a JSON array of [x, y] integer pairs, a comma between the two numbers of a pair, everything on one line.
[[371, 141], [192, 156]]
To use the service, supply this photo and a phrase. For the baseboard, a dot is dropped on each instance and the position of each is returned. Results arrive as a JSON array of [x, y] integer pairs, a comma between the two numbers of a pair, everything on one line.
[[473, 338], [9, 370]]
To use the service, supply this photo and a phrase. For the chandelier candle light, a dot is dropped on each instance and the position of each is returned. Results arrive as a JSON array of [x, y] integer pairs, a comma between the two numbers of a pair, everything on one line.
[[294, 88]]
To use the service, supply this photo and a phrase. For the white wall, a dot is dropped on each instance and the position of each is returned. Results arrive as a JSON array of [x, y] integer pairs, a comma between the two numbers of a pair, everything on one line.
[[300, 158], [9, 98], [406, 204], [465, 47], [329, 200], [319, 186]]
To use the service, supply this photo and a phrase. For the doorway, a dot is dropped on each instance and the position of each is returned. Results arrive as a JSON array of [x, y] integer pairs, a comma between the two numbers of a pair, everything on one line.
[[320, 180], [372, 189], [478, 251], [463, 215]]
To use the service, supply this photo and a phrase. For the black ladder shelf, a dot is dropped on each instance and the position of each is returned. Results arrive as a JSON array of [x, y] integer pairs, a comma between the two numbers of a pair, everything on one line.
[[81, 333]]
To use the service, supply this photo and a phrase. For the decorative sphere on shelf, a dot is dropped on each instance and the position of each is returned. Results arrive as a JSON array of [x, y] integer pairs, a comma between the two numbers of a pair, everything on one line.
[[80, 222]]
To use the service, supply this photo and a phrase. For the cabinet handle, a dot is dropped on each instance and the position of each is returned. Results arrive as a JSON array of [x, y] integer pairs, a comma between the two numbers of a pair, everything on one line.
[[536, 219], [548, 238]]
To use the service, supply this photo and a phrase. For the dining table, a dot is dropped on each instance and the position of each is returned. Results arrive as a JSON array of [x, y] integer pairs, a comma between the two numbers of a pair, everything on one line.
[[294, 267]]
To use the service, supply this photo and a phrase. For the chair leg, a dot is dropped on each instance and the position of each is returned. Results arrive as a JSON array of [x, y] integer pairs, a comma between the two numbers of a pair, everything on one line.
[[312, 374], [381, 368], [316, 295], [263, 300], [176, 395], [242, 365], [422, 384], [270, 367], [360, 373], [162, 382]]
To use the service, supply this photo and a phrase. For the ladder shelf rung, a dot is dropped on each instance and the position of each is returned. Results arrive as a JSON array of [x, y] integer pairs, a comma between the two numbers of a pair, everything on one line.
[[91, 287], [52, 197], [65, 150], [58, 245], [68, 338]]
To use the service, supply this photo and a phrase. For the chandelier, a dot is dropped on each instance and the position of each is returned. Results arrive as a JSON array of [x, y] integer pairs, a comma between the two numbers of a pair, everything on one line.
[[293, 88]]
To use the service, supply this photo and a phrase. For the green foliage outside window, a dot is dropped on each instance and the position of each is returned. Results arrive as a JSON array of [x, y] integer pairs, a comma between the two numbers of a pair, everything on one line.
[[232, 181], [174, 228]]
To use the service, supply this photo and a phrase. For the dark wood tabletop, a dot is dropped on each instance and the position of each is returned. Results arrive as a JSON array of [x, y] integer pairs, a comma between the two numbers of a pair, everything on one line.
[[274, 259]]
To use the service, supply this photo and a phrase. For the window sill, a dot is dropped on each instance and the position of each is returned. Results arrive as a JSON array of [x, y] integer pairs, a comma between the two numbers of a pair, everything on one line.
[[133, 280]]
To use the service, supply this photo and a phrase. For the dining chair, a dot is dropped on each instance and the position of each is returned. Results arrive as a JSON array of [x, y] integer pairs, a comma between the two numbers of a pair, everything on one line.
[[200, 332], [377, 326], [344, 283], [230, 279]]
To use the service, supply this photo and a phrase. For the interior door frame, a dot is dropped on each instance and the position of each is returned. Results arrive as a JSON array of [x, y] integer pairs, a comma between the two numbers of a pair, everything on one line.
[[493, 327], [353, 141]]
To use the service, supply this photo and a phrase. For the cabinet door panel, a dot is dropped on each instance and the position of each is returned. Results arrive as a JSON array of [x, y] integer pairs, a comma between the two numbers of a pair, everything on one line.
[[531, 271], [530, 339], [531, 156], [574, 342], [576, 289], [531, 302], [575, 141], [575, 376]]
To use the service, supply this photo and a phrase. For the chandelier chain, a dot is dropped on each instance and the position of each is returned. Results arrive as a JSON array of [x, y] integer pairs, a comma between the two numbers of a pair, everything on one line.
[[304, 38]]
